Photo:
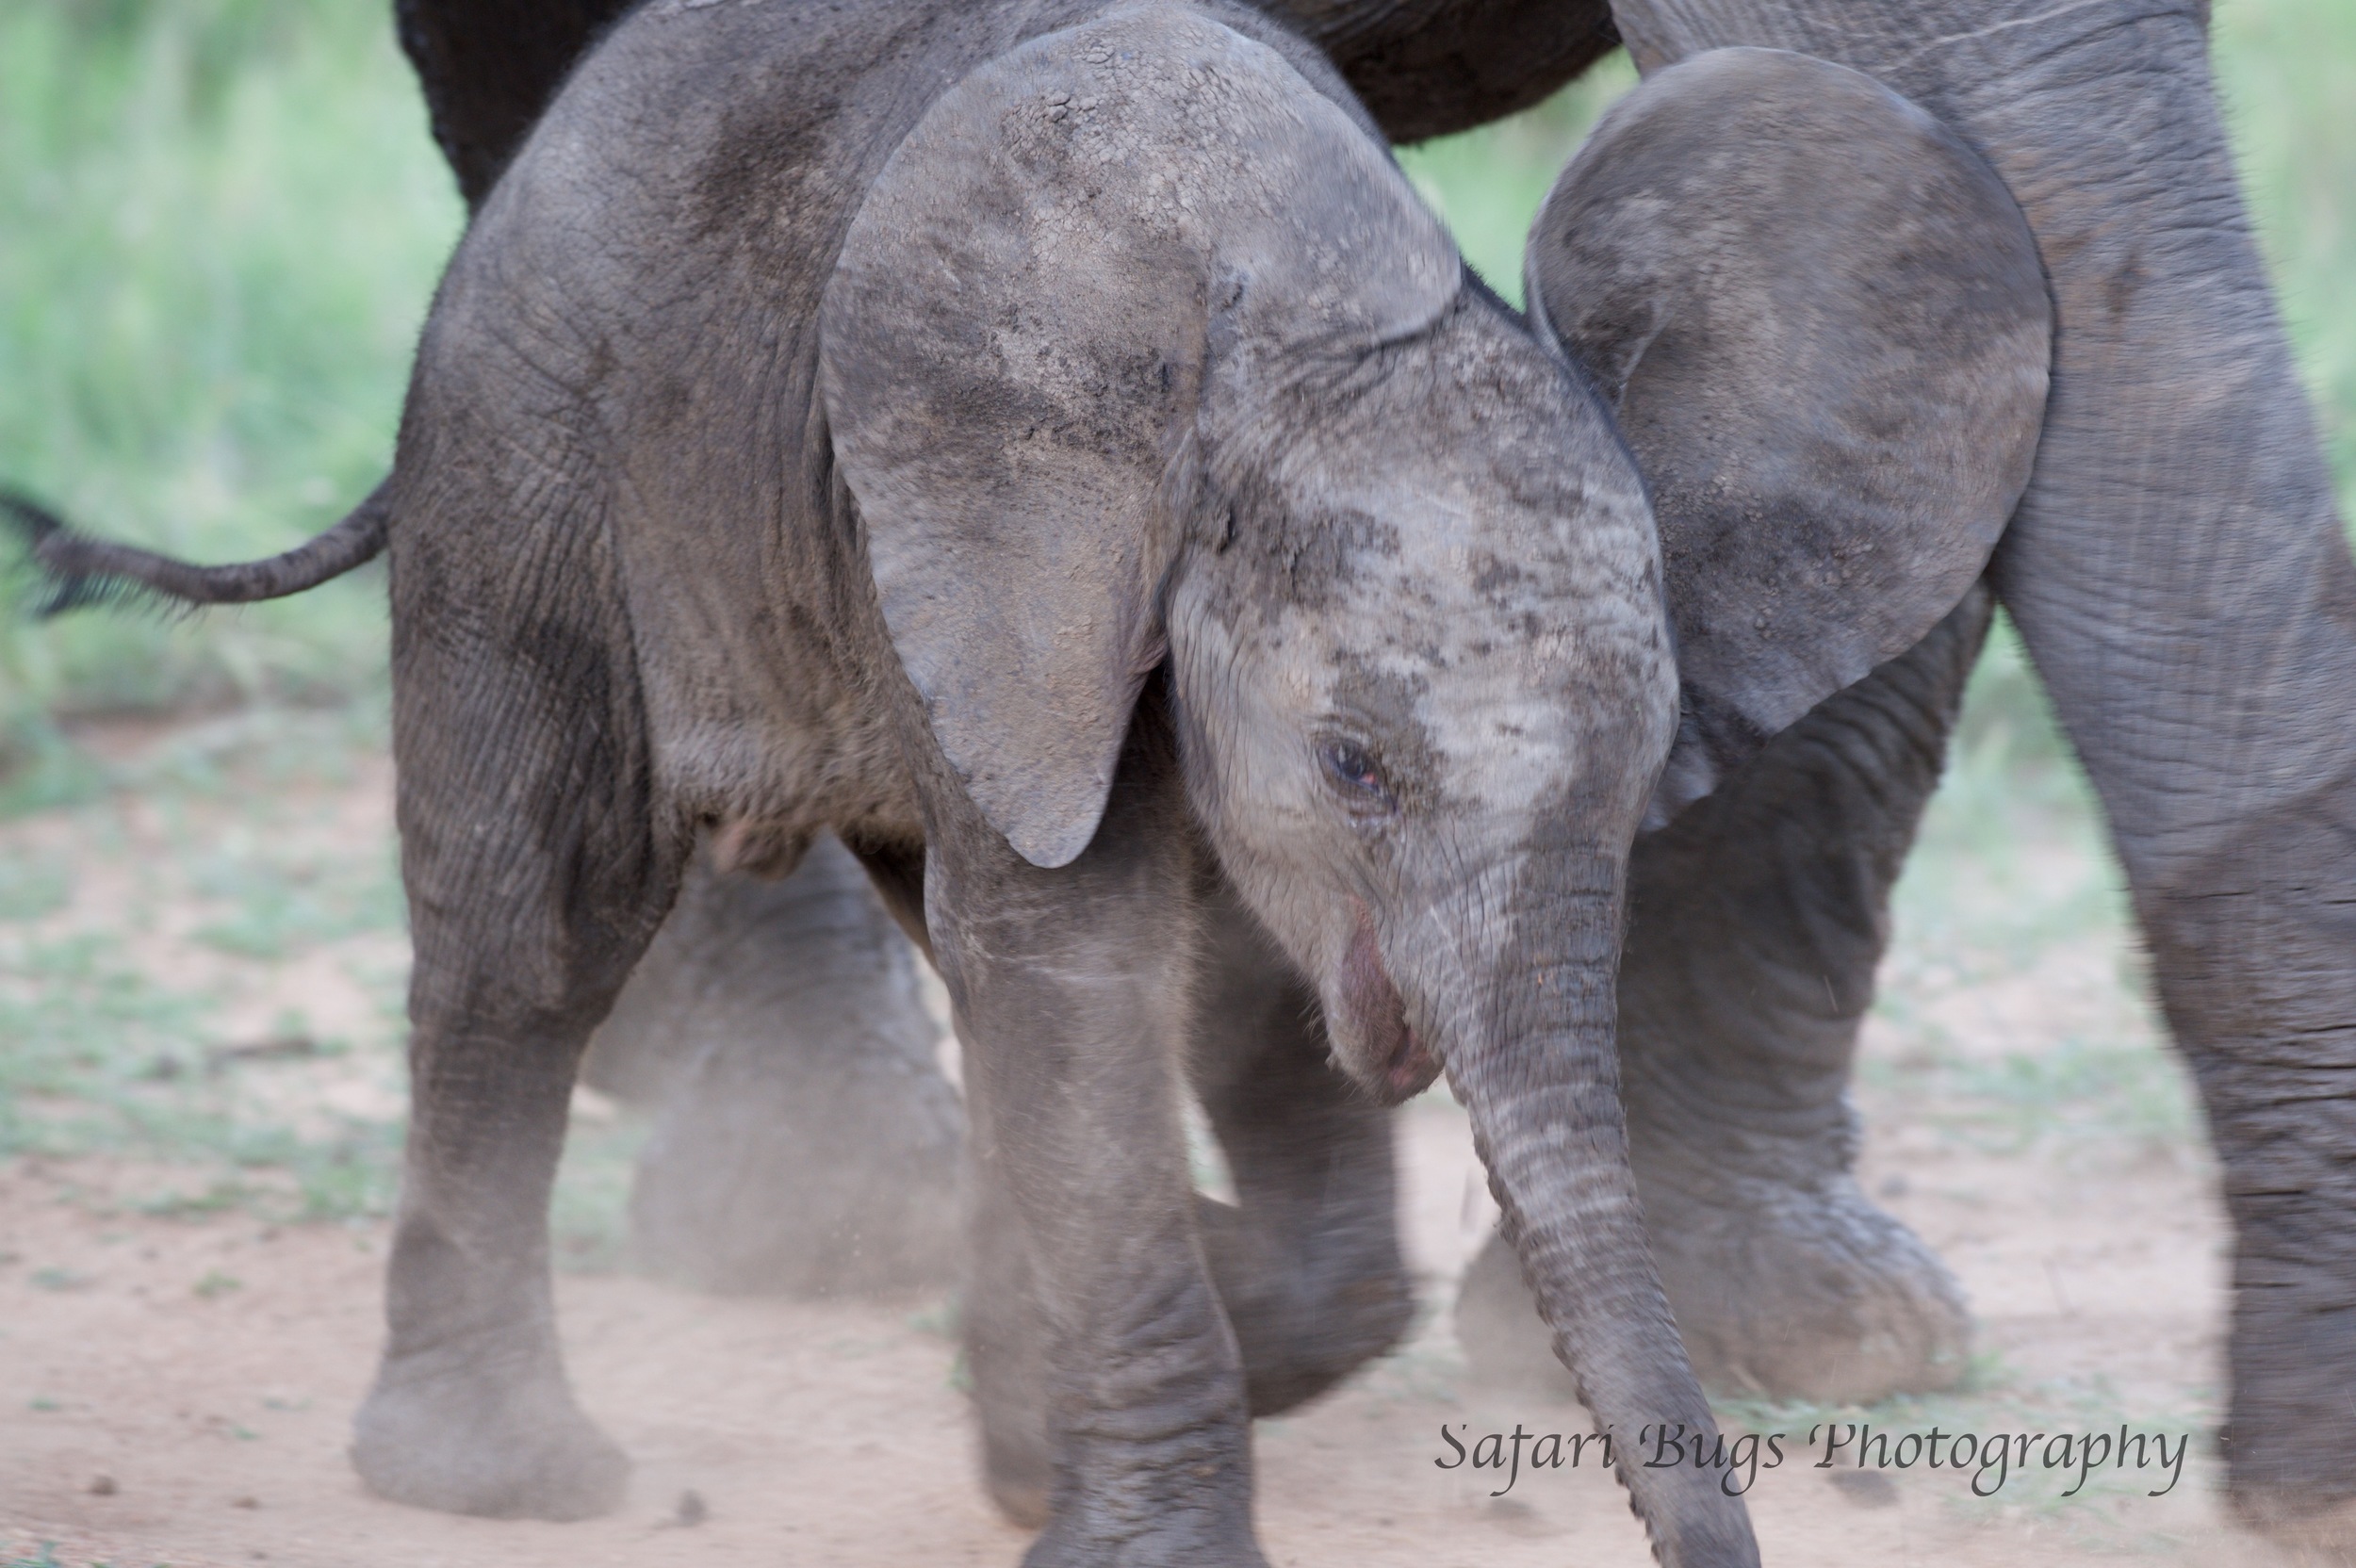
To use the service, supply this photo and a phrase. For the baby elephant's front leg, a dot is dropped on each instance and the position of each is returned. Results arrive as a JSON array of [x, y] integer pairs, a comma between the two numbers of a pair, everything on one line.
[[1306, 1262], [1070, 988]]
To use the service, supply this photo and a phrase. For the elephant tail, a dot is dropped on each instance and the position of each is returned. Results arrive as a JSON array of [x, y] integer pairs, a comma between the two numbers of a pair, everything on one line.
[[80, 570]]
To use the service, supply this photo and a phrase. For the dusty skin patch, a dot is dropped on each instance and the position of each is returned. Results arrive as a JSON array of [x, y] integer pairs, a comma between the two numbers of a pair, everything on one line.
[[205, 1356]]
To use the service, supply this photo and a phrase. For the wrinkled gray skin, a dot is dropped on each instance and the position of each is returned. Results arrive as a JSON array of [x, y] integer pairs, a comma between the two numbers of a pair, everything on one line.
[[2179, 575], [760, 1191], [805, 1141], [1168, 531], [1783, 1278]]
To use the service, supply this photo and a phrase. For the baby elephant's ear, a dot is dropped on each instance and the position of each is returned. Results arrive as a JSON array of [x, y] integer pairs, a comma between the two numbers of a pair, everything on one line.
[[1822, 324], [1015, 346]]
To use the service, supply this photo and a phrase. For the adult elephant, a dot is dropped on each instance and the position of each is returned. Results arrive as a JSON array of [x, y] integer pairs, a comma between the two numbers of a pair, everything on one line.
[[2178, 572], [2181, 577]]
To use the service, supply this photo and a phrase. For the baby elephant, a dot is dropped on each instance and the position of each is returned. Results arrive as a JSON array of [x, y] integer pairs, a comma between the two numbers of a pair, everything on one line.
[[1050, 447]]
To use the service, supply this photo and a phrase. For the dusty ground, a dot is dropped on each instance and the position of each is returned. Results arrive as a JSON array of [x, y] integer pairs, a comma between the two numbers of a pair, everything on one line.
[[207, 964]]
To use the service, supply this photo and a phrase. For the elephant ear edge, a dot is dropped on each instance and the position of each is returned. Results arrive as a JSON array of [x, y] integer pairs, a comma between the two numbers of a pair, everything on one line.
[[1823, 328], [1072, 243]]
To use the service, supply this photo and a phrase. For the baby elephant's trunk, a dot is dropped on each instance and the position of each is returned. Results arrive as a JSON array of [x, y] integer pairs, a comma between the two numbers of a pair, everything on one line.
[[1540, 1076]]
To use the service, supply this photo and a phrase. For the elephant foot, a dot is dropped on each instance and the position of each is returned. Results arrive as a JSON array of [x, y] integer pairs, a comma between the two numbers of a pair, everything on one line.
[[1787, 1293], [458, 1438], [805, 1141], [1017, 1474], [1066, 1544], [1809, 1295], [2292, 1422], [1308, 1307], [2309, 1536]]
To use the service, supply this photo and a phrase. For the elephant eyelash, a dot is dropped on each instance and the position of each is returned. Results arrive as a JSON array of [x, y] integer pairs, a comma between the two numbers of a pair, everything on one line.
[[1355, 771]]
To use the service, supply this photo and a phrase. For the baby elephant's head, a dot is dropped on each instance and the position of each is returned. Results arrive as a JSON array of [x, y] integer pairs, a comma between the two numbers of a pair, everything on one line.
[[1423, 673], [1141, 354]]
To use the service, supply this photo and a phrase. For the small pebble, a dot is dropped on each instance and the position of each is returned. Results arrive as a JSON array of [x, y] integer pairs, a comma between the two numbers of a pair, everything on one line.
[[1865, 1488], [691, 1510], [245, 1502], [102, 1486]]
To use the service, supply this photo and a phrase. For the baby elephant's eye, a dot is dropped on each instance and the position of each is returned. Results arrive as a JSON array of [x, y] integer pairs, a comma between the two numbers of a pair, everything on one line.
[[1356, 773]]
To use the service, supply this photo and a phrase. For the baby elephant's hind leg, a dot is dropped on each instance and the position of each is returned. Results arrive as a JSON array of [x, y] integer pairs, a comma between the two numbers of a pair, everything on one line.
[[1756, 921], [535, 877], [806, 1140]]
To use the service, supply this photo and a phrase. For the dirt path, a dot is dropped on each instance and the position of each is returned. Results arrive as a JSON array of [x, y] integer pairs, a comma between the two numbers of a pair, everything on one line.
[[176, 1386], [208, 1368]]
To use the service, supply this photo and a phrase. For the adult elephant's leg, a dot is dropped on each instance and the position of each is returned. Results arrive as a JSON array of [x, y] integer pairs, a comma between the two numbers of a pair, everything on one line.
[[1756, 921], [805, 1141], [536, 871], [2181, 576], [1306, 1262]]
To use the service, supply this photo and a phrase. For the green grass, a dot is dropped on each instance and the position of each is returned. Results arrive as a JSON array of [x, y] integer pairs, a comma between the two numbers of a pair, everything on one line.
[[279, 903], [105, 1059], [130, 949], [224, 219], [2283, 69], [1488, 183]]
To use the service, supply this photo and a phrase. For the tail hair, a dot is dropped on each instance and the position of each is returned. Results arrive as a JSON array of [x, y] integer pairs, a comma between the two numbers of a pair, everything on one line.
[[82, 571]]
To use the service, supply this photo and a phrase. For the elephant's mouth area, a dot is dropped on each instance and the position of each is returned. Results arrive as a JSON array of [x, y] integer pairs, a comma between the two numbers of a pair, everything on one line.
[[1389, 1057]]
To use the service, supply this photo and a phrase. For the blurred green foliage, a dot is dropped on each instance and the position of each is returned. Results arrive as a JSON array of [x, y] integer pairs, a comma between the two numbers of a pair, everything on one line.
[[225, 222], [2286, 70], [1488, 183], [224, 219]]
